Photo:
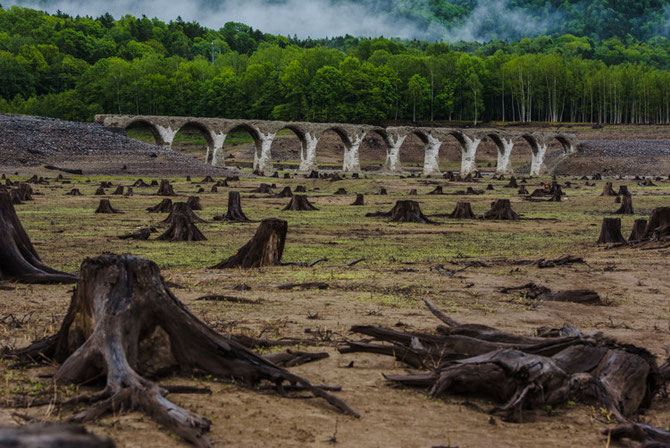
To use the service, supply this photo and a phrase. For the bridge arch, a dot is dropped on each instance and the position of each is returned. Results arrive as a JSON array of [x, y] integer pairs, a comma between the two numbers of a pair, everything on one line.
[[282, 148], [146, 123], [204, 131]]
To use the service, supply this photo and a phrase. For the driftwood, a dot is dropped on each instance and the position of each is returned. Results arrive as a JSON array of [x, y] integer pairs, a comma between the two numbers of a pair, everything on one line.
[[404, 211], [299, 202], [533, 291], [610, 231], [463, 210], [18, 259], [519, 372], [106, 207], [165, 189], [164, 206], [264, 249], [305, 285], [234, 213], [360, 199], [125, 324], [51, 435], [501, 209], [182, 225], [649, 436], [568, 260]]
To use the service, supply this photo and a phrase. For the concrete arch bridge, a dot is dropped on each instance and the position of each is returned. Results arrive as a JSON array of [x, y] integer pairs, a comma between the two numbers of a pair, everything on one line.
[[215, 130]]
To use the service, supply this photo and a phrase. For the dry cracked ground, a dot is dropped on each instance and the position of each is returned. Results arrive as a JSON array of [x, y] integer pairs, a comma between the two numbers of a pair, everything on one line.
[[401, 267]]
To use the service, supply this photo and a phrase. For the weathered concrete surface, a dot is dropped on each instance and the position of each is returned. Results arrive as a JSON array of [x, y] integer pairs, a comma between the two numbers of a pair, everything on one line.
[[215, 131]]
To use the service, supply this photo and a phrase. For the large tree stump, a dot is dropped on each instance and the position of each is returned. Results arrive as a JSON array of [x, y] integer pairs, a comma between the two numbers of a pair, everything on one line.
[[626, 206], [25, 192], [181, 208], [285, 193], [512, 183], [463, 210], [234, 213], [18, 259], [165, 189], [623, 191], [608, 190], [118, 191], [106, 207], [501, 209], [360, 200], [51, 435], [299, 202], [404, 211], [125, 324], [638, 232], [194, 203], [264, 249], [165, 206], [658, 227], [182, 227], [610, 232]]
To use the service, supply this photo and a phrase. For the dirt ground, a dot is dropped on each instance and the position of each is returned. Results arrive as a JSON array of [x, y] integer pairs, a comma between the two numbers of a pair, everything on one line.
[[385, 289]]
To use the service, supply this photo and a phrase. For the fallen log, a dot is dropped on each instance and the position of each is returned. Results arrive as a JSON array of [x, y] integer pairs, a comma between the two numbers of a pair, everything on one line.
[[51, 435]]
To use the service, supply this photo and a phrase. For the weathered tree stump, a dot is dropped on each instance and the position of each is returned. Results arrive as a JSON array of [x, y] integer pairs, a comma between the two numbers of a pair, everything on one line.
[[165, 189], [24, 192], [608, 190], [489, 187], [512, 183], [501, 209], [51, 435], [523, 190], [182, 226], [313, 175], [413, 192], [118, 191], [125, 324], [18, 259], [141, 235], [300, 189], [165, 206], [194, 203], [463, 210], [234, 213], [383, 192], [597, 176], [623, 191], [299, 202], [285, 193], [200, 190], [638, 232], [658, 227], [188, 178], [214, 189], [73, 192], [100, 192], [154, 183], [360, 200], [617, 200], [341, 191], [106, 184], [287, 175], [106, 207], [129, 192], [221, 183], [610, 232], [264, 249], [404, 211], [263, 188], [181, 208], [207, 179], [472, 191], [557, 193], [139, 183], [437, 190], [626, 206]]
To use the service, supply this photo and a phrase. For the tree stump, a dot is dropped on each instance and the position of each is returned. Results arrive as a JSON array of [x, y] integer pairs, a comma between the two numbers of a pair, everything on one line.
[[194, 203], [118, 191], [234, 213], [463, 210], [413, 192], [287, 175], [106, 207], [214, 189], [221, 183], [360, 200], [73, 192], [512, 183], [382, 192], [626, 206], [125, 324], [285, 193], [313, 175], [523, 190], [129, 192], [623, 191], [141, 235], [501, 209], [100, 192], [617, 200], [139, 183], [188, 178], [404, 211], [165, 206], [299, 202], [659, 224], [181, 208], [638, 232], [182, 226], [106, 184], [489, 187], [557, 193], [52, 435], [437, 190], [341, 191], [300, 189], [264, 249], [263, 188], [207, 179], [610, 232], [24, 192], [472, 191], [154, 183], [18, 259], [165, 189], [608, 190]]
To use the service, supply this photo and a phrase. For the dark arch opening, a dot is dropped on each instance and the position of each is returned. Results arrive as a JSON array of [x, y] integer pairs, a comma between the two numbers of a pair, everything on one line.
[[522, 153], [144, 131], [373, 149], [564, 142], [451, 152], [487, 152], [286, 147], [194, 139], [330, 149], [241, 144], [413, 151]]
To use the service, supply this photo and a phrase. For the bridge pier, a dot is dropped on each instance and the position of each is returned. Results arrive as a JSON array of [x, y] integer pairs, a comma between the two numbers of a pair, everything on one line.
[[431, 160], [166, 135], [352, 161], [504, 165], [217, 145], [262, 154], [537, 159], [393, 152], [469, 154], [308, 153]]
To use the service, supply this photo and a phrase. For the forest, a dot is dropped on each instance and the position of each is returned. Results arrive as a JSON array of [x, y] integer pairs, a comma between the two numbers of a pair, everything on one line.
[[56, 65]]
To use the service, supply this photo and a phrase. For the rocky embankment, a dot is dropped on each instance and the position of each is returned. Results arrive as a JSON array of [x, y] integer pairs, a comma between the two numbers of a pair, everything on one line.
[[27, 144]]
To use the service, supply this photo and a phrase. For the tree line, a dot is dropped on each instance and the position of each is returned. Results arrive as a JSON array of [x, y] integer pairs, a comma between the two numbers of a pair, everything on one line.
[[75, 67]]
